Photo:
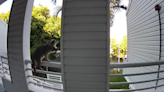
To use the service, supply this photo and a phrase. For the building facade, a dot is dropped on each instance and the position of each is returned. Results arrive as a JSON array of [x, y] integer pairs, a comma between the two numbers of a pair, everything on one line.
[[3, 37], [145, 41]]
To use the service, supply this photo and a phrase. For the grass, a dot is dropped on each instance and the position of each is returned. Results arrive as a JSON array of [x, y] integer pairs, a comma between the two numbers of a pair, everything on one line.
[[118, 79]]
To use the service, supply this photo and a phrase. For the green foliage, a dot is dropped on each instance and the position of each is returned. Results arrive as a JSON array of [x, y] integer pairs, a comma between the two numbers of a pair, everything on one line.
[[114, 6], [124, 44], [53, 26], [115, 46], [38, 35], [43, 26], [41, 12], [5, 16], [118, 79]]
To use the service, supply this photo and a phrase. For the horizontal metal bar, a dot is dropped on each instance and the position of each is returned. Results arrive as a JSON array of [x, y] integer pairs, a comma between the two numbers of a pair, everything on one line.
[[4, 68], [44, 72], [128, 65], [134, 74], [52, 64], [46, 86], [44, 79], [4, 57], [55, 63], [131, 90], [28, 61], [4, 62], [126, 83], [113, 65], [5, 72]]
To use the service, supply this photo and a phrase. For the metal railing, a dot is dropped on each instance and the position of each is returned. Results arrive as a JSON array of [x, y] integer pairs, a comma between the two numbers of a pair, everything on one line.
[[4, 68], [39, 82], [115, 65], [46, 81], [47, 64], [132, 65]]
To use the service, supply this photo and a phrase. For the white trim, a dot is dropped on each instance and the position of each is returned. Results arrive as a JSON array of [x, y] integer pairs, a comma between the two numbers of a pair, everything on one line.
[[61, 48], [108, 45], [131, 85], [3, 36], [3, 22], [26, 38]]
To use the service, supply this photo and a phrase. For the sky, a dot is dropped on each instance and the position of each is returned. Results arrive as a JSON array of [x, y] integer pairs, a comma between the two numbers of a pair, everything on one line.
[[119, 28], [117, 31]]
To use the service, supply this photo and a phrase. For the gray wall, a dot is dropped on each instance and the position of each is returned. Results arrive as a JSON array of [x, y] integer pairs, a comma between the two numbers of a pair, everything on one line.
[[85, 27], [18, 45], [143, 39], [3, 37]]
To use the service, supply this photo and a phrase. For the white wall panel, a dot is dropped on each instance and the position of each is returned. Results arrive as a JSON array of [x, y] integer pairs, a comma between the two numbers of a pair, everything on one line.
[[3, 36], [144, 39], [85, 45]]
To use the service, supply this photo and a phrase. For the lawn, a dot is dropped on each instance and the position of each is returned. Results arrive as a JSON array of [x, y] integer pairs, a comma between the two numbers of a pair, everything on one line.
[[118, 79]]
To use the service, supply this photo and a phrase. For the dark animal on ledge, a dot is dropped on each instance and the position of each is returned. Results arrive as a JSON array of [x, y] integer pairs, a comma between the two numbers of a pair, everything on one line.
[[42, 52]]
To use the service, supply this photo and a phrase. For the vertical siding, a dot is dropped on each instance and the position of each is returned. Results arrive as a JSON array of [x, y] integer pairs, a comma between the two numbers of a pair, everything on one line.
[[15, 53], [143, 39], [161, 75], [84, 42], [3, 36], [19, 24]]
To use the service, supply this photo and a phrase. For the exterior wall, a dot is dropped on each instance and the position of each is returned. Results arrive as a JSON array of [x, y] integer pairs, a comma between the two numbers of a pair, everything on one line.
[[161, 75], [85, 52], [3, 37], [143, 39], [18, 46]]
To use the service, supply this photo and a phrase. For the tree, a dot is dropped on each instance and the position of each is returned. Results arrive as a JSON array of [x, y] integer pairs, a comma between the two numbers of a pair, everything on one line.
[[43, 26], [123, 45], [53, 26], [114, 6], [41, 12], [114, 46], [5, 16]]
